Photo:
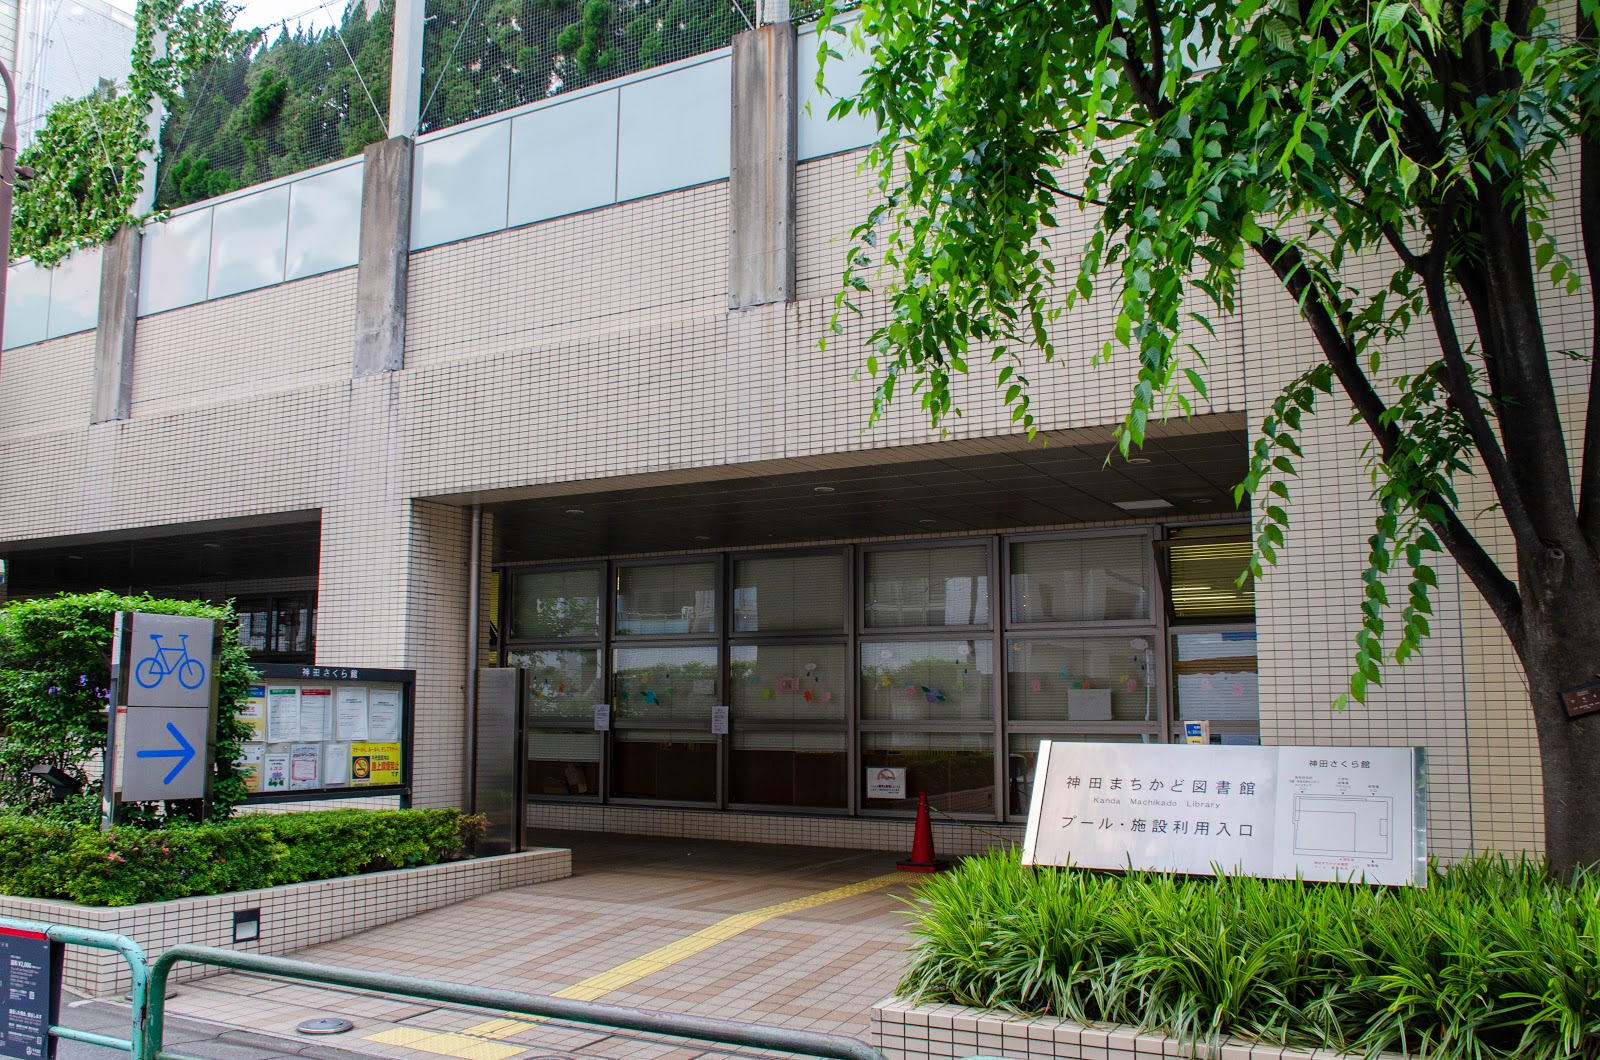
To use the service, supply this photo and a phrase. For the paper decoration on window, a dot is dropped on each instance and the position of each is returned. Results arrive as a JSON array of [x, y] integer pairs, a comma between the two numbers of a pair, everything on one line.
[[933, 694], [1035, 685], [911, 691], [808, 695], [884, 680], [1238, 688], [827, 697], [561, 689], [788, 683], [810, 666], [650, 697], [1061, 672], [1132, 686], [766, 693], [622, 695]]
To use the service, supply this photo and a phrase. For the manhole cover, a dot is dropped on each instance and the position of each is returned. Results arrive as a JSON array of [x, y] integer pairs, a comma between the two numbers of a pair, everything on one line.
[[325, 1025]]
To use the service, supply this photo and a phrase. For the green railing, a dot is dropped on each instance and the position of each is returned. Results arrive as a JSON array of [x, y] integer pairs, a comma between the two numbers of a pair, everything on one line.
[[150, 991]]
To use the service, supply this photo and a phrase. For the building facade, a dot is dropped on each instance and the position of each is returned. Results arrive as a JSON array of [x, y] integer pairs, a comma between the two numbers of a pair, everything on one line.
[[548, 392]]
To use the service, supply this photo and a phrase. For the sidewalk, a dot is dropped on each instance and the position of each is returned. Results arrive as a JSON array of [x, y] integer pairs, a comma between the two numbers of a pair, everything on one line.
[[802, 937], [207, 1041]]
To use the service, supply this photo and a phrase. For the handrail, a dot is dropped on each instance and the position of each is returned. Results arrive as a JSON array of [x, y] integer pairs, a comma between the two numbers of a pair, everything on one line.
[[138, 965], [730, 1032]]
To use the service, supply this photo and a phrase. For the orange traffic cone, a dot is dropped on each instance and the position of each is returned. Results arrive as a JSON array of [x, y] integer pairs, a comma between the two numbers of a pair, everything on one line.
[[922, 859]]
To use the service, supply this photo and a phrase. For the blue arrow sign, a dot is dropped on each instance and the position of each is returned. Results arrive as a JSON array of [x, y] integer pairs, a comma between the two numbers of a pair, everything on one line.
[[184, 753]]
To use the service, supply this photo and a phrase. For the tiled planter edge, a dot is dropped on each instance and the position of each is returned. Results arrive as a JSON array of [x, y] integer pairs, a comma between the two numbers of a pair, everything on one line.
[[903, 1031], [292, 917]]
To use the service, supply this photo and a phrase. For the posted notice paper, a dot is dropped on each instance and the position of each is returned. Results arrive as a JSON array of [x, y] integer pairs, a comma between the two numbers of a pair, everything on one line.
[[383, 715], [336, 765], [283, 713], [316, 707], [350, 713], [305, 766]]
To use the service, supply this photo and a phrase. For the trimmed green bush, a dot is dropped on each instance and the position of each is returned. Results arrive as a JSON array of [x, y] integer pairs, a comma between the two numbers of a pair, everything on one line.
[[40, 858], [55, 672], [1493, 959]]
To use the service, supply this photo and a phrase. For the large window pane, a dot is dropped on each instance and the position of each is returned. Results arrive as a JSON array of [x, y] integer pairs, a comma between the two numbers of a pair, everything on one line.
[[1204, 565], [1214, 677], [557, 604], [562, 684], [788, 593], [1081, 679], [661, 708], [1084, 579], [1023, 759], [790, 768], [782, 684], [955, 769], [928, 587], [667, 598], [927, 680], [564, 762]]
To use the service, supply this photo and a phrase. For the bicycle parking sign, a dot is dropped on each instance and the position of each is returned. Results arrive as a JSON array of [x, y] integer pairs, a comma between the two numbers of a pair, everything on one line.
[[171, 660]]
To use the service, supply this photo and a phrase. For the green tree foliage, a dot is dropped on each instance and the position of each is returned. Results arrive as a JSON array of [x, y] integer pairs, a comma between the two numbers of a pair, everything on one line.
[[1305, 140], [55, 676]]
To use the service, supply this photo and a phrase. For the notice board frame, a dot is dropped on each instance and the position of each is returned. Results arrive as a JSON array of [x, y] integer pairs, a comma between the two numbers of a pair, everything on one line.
[[51, 1002], [348, 675]]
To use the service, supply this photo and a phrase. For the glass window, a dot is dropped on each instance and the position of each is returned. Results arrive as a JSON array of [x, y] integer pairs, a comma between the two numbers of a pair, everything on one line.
[[790, 768], [955, 769], [1081, 679], [789, 683], [914, 587], [562, 684], [1203, 568], [784, 593], [661, 720], [564, 762], [791, 706], [1023, 759], [667, 598], [556, 604], [927, 680], [1214, 677], [1081, 579]]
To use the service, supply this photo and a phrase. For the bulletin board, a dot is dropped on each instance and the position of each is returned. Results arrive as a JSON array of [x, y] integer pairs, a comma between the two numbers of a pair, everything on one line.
[[327, 732]]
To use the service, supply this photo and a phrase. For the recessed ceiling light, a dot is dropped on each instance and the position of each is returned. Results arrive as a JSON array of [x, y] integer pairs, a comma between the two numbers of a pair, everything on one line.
[[210, 544], [1202, 501], [69, 556], [927, 520], [702, 537], [822, 489], [574, 511], [1138, 459], [1143, 506]]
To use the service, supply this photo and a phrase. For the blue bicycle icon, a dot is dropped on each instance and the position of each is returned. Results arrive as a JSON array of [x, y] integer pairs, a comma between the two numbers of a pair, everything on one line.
[[153, 669]]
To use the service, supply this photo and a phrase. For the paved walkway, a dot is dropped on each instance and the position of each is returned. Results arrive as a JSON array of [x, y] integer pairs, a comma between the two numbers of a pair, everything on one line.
[[801, 937]]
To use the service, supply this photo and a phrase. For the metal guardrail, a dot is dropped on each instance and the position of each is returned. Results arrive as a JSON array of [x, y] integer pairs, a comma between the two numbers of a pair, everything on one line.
[[150, 980]]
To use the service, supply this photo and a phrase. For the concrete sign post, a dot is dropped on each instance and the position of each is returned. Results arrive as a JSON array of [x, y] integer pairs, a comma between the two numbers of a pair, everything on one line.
[[163, 733]]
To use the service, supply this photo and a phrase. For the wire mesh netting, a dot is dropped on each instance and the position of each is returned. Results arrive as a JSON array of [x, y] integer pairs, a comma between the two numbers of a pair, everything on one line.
[[482, 57], [300, 94]]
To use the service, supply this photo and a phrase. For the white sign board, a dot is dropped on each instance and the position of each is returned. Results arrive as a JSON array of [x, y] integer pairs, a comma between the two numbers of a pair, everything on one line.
[[1315, 812], [885, 782], [719, 721], [602, 717], [170, 657]]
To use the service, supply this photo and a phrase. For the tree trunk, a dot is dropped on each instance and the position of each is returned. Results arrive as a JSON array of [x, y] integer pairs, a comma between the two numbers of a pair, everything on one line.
[[1559, 645]]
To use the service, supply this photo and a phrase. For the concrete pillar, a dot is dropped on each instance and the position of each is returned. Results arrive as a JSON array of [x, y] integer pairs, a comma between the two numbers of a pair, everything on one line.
[[114, 328], [405, 70], [761, 193], [380, 342]]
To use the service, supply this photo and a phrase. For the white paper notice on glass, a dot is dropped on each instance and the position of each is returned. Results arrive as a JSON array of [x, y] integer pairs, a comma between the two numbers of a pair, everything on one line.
[[275, 771], [316, 706], [886, 782], [704, 686], [719, 720], [350, 713], [383, 715], [336, 765], [305, 766], [602, 717], [283, 713]]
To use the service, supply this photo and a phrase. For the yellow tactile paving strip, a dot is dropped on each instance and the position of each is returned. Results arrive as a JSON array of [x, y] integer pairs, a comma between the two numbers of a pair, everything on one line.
[[481, 1042]]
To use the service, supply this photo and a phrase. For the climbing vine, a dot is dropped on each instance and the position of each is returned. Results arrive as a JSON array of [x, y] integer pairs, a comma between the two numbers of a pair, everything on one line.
[[86, 157]]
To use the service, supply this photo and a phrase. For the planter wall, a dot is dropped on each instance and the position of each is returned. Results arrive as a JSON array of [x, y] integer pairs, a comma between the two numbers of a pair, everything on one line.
[[904, 1031], [292, 917]]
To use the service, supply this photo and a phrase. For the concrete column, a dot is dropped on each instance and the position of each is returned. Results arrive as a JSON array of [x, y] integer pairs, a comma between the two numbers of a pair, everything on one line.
[[114, 328], [380, 343], [405, 70], [761, 194]]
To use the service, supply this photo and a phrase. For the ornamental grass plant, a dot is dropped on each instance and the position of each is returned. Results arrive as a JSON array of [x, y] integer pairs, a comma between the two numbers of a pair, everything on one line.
[[1494, 958]]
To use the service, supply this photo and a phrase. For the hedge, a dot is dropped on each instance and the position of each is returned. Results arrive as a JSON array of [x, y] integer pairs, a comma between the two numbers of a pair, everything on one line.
[[1493, 959], [40, 858]]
